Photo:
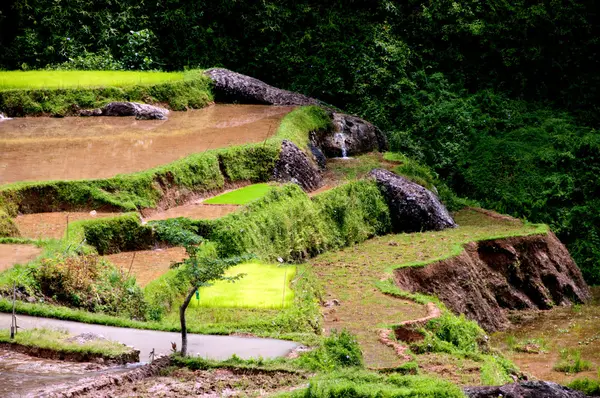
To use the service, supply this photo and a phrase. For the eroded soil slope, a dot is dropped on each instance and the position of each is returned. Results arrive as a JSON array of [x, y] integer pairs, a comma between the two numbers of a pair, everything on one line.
[[527, 272]]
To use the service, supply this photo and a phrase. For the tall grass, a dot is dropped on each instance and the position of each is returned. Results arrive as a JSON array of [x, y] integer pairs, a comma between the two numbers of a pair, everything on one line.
[[10, 80]]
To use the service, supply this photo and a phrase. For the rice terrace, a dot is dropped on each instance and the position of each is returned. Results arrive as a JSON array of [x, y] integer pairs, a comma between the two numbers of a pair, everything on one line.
[[299, 199]]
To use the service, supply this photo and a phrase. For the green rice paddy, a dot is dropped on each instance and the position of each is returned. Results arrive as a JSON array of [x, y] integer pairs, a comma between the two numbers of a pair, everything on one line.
[[240, 196], [263, 286], [32, 80]]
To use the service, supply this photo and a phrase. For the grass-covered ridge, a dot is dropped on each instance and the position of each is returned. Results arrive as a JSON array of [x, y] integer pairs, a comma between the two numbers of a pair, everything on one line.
[[52, 79], [39, 93]]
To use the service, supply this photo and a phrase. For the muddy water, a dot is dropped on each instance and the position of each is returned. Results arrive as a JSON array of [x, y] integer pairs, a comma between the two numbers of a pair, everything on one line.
[[195, 211], [17, 254], [22, 375], [576, 328], [147, 265], [100, 147], [52, 225]]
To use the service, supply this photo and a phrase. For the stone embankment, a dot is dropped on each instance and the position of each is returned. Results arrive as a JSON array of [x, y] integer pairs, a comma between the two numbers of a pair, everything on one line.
[[140, 111]]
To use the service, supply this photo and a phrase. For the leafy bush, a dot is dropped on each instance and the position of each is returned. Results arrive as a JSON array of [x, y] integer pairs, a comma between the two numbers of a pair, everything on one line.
[[338, 350], [176, 231], [452, 334], [587, 386], [124, 233], [90, 283]]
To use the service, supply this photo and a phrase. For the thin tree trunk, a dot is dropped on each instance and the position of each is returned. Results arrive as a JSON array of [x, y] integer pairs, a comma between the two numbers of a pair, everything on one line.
[[182, 309]]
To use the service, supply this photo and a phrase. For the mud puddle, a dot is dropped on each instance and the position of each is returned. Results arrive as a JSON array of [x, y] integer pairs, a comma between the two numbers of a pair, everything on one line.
[[574, 328], [17, 254], [22, 375], [101, 147], [52, 225], [211, 383], [197, 211], [147, 265]]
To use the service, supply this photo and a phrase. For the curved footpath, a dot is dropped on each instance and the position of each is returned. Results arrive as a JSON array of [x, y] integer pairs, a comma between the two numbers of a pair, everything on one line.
[[213, 347]]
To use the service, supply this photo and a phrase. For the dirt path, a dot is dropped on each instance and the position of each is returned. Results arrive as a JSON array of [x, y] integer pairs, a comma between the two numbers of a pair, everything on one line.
[[213, 347], [17, 254]]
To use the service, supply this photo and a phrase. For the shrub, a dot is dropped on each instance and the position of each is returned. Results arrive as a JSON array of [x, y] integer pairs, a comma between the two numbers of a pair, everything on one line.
[[338, 350], [90, 283], [571, 362], [587, 386], [123, 233]]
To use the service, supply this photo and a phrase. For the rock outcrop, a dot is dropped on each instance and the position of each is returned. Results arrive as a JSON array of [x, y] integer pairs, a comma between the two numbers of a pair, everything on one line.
[[351, 135], [526, 389], [490, 277], [235, 87], [413, 208], [294, 166], [140, 111]]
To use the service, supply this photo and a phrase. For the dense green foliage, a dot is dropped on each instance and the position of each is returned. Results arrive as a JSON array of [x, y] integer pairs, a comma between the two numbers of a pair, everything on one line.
[[587, 386], [123, 233]]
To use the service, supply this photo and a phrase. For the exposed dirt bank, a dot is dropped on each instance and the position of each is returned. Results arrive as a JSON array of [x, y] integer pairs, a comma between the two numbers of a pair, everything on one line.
[[195, 211], [17, 254], [490, 277]]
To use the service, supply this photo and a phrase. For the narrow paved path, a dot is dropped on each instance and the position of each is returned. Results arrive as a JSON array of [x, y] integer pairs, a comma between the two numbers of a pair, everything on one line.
[[213, 347]]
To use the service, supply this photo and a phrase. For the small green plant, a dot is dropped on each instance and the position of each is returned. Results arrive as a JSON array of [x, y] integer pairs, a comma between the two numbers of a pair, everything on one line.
[[587, 386], [531, 346], [338, 350], [571, 362]]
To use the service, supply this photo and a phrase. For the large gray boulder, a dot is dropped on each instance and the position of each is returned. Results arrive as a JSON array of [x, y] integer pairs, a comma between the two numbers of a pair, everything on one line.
[[140, 111], [413, 208], [526, 389], [294, 166], [235, 87], [350, 136]]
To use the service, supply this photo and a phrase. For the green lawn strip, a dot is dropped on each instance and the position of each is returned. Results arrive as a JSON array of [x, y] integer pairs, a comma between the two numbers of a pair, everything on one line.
[[24, 241], [65, 94], [57, 340], [240, 196], [44, 79], [262, 286]]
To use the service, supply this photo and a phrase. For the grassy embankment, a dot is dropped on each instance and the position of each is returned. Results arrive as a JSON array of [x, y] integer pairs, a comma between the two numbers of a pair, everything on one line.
[[61, 341], [63, 93]]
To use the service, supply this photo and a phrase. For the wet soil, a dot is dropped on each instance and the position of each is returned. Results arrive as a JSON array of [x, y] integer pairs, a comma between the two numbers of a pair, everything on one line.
[[101, 147], [576, 327], [194, 211], [17, 254], [147, 265], [202, 383], [20, 374], [52, 225]]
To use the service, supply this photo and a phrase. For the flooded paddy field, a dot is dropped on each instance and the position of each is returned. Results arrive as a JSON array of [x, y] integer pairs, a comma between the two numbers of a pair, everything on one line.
[[195, 211], [147, 265], [37, 149], [52, 225], [536, 345], [25, 376], [17, 254]]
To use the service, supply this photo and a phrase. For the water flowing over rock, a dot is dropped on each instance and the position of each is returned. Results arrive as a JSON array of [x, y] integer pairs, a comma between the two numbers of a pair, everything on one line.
[[235, 87], [140, 111], [294, 166], [526, 389], [490, 277], [413, 207], [351, 135], [2, 117]]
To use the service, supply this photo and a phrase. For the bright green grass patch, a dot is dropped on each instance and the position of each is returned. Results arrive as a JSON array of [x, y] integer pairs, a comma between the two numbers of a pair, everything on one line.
[[240, 196], [58, 340], [263, 286], [75, 79]]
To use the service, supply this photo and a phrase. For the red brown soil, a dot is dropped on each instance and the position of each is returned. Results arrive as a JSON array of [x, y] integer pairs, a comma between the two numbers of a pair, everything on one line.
[[489, 277], [80, 148], [52, 225], [196, 211], [17, 254], [147, 264]]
